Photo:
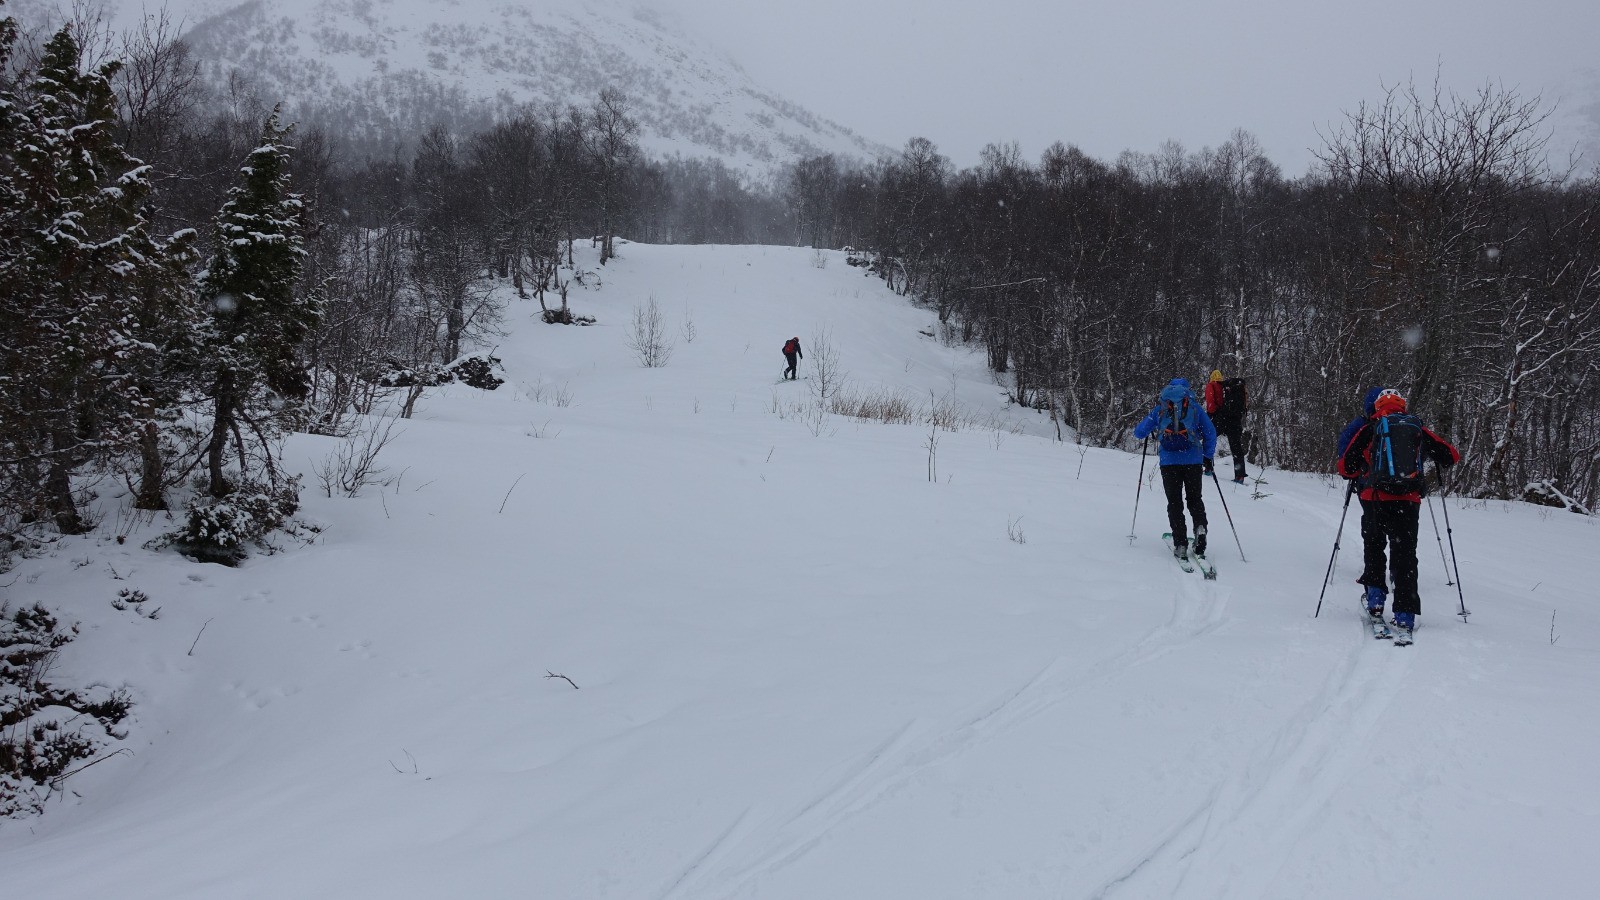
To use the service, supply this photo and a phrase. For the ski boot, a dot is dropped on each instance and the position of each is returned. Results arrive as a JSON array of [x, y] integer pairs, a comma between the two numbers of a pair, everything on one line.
[[1404, 622], [1200, 541], [1375, 599]]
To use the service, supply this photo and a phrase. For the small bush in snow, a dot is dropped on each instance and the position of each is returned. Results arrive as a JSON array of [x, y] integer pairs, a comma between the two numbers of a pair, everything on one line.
[[354, 464], [887, 405], [44, 730], [648, 337], [477, 370], [827, 376], [396, 375], [222, 530], [565, 317], [473, 370]]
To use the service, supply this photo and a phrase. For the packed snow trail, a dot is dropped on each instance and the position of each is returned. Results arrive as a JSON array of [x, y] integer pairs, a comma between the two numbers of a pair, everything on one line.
[[625, 632]]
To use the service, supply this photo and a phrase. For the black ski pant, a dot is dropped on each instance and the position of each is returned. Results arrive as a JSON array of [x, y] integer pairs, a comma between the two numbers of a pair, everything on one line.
[[1237, 445], [1178, 481], [790, 373], [1391, 525]]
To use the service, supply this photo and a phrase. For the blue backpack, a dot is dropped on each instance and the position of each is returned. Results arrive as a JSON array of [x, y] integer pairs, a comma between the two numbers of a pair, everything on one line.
[[1397, 454], [1177, 423]]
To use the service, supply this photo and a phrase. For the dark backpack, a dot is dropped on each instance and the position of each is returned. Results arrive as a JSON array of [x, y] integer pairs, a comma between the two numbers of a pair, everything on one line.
[[1233, 398], [1397, 454], [1177, 420], [790, 346]]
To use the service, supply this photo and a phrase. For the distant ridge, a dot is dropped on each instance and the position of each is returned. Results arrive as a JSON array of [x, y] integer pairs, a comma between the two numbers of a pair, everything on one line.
[[377, 71]]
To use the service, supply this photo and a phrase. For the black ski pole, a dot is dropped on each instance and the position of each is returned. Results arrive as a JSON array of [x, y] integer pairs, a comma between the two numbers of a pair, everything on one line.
[[1338, 536], [1448, 581], [1143, 452], [1451, 536], [1228, 514]]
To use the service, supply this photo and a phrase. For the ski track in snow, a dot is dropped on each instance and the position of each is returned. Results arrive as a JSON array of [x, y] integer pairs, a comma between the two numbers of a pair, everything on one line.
[[1198, 609], [1228, 846]]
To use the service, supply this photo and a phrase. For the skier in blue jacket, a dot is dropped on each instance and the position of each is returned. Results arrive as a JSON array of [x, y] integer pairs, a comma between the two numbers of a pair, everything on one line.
[[1188, 442]]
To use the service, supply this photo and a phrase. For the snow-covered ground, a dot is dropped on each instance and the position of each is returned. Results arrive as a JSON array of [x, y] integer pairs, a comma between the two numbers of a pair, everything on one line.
[[800, 669]]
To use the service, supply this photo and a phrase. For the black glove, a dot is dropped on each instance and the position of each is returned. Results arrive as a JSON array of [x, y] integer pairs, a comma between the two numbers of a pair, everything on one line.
[[1210, 466]]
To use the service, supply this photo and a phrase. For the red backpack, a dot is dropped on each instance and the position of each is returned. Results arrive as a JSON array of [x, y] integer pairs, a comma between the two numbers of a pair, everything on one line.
[[790, 346]]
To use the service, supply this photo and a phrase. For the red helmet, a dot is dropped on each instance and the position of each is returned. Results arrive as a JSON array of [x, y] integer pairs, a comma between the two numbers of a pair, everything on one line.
[[1389, 401]]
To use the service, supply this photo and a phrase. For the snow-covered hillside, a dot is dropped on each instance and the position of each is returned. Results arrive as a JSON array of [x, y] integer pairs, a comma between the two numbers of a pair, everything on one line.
[[617, 632], [395, 66]]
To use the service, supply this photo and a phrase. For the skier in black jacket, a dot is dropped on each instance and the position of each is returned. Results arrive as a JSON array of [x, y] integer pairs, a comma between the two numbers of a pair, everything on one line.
[[791, 352], [1392, 442]]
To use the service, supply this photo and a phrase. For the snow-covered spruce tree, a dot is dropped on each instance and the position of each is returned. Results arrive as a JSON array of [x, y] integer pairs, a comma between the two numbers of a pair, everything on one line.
[[89, 300], [256, 321]]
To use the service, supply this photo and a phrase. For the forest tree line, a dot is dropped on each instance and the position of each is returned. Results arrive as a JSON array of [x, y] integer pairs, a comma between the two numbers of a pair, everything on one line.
[[1432, 249]]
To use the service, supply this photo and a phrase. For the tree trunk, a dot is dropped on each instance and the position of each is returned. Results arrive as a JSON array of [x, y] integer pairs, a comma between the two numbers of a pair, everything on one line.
[[152, 468], [58, 496], [221, 424]]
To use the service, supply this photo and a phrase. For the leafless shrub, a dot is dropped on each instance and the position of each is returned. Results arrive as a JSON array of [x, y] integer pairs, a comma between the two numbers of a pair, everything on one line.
[[549, 392], [827, 376], [648, 337], [887, 405], [354, 463], [1014, 531]]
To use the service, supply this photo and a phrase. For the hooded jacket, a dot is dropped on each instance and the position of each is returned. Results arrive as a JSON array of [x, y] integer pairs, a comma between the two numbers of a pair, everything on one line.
[[1176, 391]]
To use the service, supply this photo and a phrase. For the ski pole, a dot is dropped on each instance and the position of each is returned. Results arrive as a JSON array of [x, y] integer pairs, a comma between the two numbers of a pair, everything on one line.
[[1339, 535], [1450, 534], [1228, 514], [1434, 516], [1143, 452]]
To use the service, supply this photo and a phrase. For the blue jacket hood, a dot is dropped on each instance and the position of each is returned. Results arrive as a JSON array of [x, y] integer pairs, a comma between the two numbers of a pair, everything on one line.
[[1370, 402], [1177, 391], [1178, 388]]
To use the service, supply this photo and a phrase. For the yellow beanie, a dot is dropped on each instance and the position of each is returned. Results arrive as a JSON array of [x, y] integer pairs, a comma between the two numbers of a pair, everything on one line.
[[1216, 374]]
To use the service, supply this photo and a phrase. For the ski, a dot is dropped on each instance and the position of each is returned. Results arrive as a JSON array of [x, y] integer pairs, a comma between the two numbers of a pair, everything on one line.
[[1183, 563], [1380, 629], [1207, 568]]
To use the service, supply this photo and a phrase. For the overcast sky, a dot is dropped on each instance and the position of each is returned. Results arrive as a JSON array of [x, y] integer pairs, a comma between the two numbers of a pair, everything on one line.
[[1110, 75]]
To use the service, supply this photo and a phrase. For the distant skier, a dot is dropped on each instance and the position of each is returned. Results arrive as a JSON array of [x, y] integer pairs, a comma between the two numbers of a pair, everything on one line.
[[791, 352], [1386, 454], [1226, 404], [1188, 441]]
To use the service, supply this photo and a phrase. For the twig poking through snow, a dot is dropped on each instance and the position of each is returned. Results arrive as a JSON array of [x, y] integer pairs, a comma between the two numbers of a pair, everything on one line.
[[550, 674], [508, 492], [197, 636], [55, 783], [408, 756]]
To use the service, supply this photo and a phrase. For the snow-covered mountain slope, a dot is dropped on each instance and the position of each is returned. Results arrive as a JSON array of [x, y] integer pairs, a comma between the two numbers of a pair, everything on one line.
[[801, 668], [393, 66]]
